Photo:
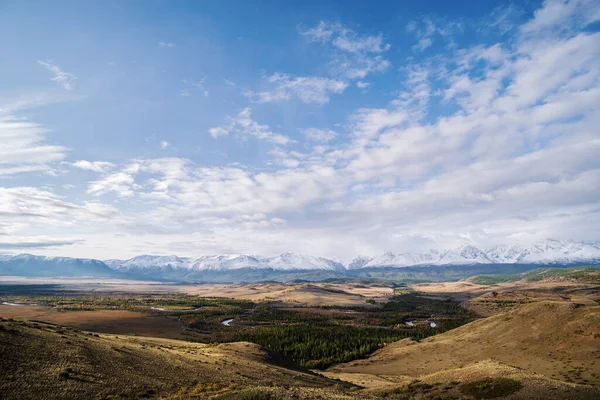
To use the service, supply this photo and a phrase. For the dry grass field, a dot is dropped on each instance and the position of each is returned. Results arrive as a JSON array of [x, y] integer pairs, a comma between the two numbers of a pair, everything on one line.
[[42, 361], [313, 293], [487, 300], [121, 322], [531, 340], [557, 340]]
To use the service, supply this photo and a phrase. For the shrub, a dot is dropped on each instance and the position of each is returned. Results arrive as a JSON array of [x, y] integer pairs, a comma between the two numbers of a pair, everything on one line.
[[490, 388], [65, 373], [145, 394], [249, 394]]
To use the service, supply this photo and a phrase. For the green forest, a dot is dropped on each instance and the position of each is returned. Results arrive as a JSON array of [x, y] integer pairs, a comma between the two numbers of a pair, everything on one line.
[[317, 342]]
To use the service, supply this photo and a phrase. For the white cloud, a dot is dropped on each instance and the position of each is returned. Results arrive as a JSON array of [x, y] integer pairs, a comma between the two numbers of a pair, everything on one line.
[[426, 29], [122, 184], [23, 101], [346, 39], [165, 45], [490, 143], [243, 125], [503, 18], [362, 85], [23, 147], [306, 89], [415, 96], [164, 144], [558, 15], [423, 44], [319, 135], [21, 207], [358, 68], [199, 83], [66, 79], [354, 56], [96, 166], [36, 242], [229, 82]]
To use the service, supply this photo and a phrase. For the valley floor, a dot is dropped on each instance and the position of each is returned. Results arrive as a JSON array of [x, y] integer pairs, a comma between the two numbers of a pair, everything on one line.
[[514, 340]]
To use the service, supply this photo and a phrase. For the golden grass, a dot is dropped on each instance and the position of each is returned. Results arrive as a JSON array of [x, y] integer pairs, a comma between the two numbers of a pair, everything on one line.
[[52, 362], [558, 340]]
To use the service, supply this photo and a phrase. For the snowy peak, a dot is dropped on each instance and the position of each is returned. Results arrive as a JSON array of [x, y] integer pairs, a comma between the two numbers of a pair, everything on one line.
[[548, 251], [359, 262], [544, 252], [148, 262], [292, 261], [464, 254], [224, 262], [390, 259], [558, 252]]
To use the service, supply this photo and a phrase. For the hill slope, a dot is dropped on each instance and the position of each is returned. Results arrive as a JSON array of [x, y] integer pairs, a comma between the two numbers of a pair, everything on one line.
[[558, 340], [578, 274], [51, 362]]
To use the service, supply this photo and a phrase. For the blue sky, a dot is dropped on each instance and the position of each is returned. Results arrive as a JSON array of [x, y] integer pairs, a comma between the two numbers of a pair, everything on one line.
[[330, 128]]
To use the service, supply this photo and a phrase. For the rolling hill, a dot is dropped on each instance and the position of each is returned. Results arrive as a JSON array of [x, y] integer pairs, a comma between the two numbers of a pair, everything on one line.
[[557, 340], [52, 362]]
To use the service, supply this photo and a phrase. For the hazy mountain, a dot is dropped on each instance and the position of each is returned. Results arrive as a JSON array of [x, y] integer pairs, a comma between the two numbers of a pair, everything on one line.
[[543, 252], [359, 262], [30, 265], [287, 266], [292, 261], [286, 262], [148, 262]]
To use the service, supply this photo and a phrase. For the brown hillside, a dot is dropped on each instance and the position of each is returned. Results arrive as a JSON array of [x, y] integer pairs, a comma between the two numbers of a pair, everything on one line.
[[523, 385], [51, 362], [558, 340]]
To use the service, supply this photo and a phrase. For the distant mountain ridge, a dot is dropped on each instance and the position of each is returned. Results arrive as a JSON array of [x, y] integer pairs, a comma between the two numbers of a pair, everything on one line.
[[41, 266], [241, 267], [285, 261], [548, 251]]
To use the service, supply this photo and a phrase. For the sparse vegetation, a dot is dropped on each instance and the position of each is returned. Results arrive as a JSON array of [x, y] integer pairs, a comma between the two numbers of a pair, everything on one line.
[[490, 388], [581, 274], [248, 394], [316, 336]]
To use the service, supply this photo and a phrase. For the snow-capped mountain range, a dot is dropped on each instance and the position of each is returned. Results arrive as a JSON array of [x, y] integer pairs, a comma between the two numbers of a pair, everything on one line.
[[285, 261], [547, 252], [543, 252]]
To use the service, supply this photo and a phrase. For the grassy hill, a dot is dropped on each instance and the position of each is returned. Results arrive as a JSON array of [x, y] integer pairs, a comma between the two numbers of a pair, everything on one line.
[[560, 341], [487, 380], [579, 274], [51, 362]]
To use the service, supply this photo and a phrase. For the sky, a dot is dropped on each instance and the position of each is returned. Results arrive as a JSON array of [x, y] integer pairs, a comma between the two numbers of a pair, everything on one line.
[[330, 128]]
